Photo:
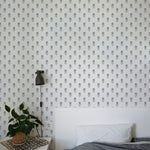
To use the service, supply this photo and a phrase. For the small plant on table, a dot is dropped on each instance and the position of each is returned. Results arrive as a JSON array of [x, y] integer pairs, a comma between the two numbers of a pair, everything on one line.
[[21, 124]]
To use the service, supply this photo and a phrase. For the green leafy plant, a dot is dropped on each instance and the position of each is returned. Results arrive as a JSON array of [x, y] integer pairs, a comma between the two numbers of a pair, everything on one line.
[[22, 121]]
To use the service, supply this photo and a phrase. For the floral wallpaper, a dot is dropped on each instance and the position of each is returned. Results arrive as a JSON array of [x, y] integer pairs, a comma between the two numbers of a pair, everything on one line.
[[94, 53]]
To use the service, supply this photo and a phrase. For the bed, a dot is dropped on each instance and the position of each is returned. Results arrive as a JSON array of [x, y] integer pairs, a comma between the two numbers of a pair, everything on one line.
[[68, 120]]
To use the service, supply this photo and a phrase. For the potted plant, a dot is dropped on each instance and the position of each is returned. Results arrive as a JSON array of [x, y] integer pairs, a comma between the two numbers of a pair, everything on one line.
[[21, 124]]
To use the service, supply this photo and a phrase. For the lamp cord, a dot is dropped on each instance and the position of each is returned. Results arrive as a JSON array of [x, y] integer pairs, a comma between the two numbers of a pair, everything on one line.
[[41, 105]]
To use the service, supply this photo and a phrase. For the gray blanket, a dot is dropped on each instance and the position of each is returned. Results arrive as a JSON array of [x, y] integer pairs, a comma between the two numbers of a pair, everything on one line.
[[107, 146]]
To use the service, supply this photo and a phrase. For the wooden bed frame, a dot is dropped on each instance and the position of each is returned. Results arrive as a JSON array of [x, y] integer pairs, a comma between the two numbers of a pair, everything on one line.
[[66, 120]]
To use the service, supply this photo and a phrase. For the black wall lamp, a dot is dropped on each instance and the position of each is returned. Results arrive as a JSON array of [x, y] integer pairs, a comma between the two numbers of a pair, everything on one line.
[[39, 80]]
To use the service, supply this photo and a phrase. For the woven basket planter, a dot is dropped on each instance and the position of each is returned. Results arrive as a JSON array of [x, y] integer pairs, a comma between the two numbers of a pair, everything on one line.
[[19, 138]]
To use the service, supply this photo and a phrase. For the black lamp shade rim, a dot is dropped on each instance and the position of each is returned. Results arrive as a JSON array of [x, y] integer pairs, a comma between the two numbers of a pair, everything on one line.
[[39, 84]]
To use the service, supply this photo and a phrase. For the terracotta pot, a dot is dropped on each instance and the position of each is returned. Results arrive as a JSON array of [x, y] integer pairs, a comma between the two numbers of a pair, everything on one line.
[[19, 138]]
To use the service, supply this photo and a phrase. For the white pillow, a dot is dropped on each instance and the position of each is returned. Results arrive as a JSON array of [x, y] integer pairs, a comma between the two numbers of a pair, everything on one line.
[[110, 133]]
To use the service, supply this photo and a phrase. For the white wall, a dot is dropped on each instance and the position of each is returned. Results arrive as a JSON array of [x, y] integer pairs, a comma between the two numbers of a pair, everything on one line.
[[94, 53]]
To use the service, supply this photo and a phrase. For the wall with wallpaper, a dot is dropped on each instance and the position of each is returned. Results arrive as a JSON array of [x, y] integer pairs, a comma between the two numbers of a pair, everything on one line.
[[95, 53]]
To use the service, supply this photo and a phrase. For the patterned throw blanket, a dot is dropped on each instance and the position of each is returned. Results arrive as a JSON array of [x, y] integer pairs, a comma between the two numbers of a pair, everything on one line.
[[31, 144]]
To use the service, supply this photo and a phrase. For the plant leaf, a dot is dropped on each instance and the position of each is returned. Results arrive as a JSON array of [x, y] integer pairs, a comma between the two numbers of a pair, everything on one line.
[[10, 127], [21, 106], [39, 122], [16, 125], [26, 111], [11, 130], [7, 108], [14, 114], [22, 117], [8, 134], [33, 117], [11, 120]]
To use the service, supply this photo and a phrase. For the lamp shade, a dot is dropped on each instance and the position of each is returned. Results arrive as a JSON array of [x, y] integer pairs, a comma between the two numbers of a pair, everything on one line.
[[39, 79]]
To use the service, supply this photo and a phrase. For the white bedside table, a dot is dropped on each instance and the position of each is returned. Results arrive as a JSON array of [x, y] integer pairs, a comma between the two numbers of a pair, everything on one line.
[[45, 147]]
